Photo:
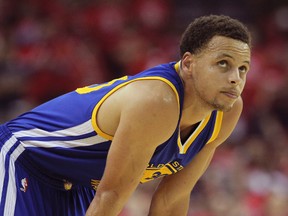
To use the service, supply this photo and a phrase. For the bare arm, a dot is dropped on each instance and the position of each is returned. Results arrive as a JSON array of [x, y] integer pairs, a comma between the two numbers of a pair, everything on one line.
[[173, 193], [136, 137]]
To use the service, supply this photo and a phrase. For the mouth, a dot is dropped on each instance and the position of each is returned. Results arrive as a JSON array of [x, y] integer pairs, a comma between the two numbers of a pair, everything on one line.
[[231, 94]]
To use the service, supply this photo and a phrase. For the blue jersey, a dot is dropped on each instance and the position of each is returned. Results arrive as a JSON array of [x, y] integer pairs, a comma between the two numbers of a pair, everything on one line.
[[61, 141]]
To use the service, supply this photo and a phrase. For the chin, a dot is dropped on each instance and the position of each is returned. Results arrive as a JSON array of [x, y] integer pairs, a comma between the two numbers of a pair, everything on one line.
[[221, 107]]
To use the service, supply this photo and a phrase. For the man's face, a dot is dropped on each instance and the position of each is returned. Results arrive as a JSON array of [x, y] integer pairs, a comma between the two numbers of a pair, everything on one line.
[[219, 72]]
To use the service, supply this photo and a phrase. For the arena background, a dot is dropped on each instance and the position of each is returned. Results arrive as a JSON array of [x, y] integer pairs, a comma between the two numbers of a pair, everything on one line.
[[49, 47]]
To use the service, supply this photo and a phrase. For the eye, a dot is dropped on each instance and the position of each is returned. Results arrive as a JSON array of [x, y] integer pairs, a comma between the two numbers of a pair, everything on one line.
[[223, 63], [243, 69]]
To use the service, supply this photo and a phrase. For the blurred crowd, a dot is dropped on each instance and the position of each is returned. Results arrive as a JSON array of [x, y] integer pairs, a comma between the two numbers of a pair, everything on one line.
[[50, 47]]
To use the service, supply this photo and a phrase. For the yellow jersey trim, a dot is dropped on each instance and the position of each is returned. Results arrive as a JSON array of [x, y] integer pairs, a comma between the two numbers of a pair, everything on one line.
[[88, 89], [96, 108], [177, 66], [183, 148], [217, 126]]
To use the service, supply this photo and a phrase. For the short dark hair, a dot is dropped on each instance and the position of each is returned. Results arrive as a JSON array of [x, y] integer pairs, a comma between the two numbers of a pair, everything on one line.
[[203, 29]]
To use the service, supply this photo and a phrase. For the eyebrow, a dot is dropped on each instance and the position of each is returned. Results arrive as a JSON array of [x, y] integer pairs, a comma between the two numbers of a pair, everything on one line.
[[229, 56]]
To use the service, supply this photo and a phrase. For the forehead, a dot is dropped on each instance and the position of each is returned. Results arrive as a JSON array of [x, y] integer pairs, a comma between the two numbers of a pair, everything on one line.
[[224, 45]]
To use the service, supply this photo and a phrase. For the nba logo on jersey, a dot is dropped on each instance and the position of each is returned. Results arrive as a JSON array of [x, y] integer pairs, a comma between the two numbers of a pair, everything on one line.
[[24, 183]]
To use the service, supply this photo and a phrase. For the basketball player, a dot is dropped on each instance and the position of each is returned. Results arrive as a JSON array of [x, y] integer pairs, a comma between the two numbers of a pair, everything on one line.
[[85, 152]]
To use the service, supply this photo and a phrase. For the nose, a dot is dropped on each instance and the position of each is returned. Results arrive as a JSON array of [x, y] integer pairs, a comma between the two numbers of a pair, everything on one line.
[[234, 77]]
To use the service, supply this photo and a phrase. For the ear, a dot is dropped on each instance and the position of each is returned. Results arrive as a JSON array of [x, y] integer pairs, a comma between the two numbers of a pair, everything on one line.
[[187, 62]]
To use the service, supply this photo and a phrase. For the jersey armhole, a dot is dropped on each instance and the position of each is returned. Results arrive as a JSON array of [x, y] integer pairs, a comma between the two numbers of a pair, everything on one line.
[[96, 108]]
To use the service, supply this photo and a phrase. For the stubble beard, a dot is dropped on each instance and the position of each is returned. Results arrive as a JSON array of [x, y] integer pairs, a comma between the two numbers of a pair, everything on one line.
[[211, 103], [221, 107]]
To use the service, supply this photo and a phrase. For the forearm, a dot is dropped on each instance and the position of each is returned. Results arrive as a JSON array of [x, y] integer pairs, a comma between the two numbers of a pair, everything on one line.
[[173, 193], [163, 207], [106, 203]]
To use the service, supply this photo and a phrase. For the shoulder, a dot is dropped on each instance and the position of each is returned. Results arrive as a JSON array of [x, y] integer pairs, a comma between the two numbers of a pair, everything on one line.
[[155, 91], [150, 97], [232, 116], [149, 106], [144, 102]]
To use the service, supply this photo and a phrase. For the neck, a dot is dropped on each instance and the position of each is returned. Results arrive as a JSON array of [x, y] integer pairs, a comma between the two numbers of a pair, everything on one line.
[[194, 108], [193, 114]]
